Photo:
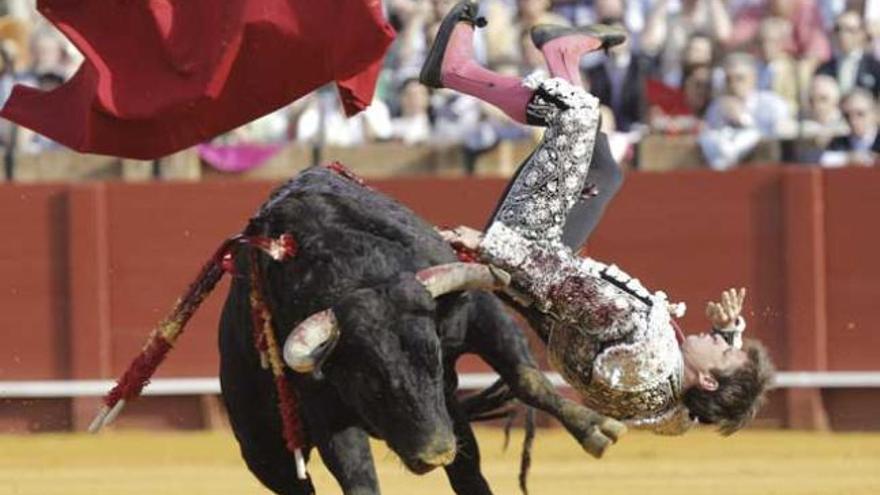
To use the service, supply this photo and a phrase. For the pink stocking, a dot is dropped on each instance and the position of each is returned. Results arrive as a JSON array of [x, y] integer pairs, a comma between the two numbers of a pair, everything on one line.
[[563, 55], [462, 73]]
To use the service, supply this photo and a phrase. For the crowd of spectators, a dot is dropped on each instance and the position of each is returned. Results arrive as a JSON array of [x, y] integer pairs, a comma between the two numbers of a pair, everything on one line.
[[32, 52], [728, 74]]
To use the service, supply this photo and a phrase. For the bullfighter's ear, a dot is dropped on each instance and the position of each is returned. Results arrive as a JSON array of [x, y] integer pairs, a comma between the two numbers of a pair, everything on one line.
[[311, 342]]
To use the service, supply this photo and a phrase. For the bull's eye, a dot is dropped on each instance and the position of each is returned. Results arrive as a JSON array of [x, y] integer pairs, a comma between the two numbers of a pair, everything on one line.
[[374, 389]]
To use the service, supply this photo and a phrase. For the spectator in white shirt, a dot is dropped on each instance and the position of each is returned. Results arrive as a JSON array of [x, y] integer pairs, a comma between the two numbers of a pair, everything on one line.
[[742, 116], [323, 122]]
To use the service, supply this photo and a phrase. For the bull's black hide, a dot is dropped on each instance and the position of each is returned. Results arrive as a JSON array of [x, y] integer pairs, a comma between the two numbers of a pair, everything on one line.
[[392, 373]]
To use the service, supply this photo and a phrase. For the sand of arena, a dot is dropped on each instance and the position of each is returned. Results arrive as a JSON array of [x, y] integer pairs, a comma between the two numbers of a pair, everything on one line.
[[755, 462]]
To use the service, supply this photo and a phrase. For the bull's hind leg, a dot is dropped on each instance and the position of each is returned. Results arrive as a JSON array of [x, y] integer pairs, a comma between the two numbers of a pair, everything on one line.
[[249, 395], [497, 338]]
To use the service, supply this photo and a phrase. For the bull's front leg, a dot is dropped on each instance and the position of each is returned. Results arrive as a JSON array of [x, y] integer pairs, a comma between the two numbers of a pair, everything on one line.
[[464, 473], [251, 401], [497, 338], [346, 453], [593, 431]]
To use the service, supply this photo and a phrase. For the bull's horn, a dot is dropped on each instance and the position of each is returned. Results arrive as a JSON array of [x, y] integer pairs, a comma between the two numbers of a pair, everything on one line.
[[311, 341], [451, 277]]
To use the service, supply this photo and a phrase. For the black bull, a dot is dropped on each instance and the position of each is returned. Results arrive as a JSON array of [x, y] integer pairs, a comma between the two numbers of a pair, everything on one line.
[[392, 373]]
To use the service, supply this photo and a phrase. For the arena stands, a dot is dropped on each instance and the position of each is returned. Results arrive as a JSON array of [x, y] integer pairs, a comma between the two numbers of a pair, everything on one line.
[[790, 80], [701, 83]]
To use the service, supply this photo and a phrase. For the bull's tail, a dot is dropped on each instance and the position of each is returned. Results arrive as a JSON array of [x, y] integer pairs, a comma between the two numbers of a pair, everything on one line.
[[526, 458], [490, 403]]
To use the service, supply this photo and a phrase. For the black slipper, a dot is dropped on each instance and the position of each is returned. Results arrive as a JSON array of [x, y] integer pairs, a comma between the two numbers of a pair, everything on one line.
[[607, 35], [464, 11]]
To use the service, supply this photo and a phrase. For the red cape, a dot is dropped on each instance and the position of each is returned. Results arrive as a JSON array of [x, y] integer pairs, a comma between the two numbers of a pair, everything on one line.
[[163, 75]]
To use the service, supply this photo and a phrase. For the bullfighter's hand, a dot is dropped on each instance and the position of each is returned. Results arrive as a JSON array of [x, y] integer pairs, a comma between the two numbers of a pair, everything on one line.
[[725, 313], [465, 236]]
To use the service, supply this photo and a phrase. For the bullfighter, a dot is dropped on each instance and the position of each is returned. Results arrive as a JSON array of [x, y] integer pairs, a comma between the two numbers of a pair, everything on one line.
[[612, 339]]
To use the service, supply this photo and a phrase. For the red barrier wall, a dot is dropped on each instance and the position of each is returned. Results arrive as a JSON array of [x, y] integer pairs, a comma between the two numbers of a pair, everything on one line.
[[87, 270]]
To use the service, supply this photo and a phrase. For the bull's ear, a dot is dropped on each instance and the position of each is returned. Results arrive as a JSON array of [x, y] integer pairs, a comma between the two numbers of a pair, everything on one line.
[[311, 342]]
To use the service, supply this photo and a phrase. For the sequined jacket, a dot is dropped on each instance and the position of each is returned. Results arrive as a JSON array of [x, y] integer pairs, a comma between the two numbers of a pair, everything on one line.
[[608, 336]]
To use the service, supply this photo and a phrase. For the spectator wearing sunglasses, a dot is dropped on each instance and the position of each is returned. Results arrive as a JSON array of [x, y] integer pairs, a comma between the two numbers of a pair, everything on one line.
[[852, 65], [861, 146]]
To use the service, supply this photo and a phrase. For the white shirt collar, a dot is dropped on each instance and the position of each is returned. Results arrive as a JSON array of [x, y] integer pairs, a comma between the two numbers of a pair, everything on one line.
[[864, 143]]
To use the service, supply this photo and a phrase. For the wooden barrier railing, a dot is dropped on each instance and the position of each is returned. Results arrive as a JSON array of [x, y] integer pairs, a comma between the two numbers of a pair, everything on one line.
[[375, 160], [656, 153], [88, 269]]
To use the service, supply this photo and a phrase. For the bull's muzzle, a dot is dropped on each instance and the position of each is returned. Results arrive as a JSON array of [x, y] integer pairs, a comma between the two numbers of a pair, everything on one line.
[[440, 452], [441, 458]]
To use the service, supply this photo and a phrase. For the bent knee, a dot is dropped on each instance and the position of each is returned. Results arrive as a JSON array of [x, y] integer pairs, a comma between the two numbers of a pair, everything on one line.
[[605, 172], [577, 111]]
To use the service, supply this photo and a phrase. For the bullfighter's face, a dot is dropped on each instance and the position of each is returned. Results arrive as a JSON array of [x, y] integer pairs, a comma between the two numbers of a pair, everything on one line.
[[705, 352], [388, 368]]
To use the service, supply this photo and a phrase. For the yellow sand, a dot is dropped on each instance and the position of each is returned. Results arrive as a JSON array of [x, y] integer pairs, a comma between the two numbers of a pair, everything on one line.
[[750, 463]]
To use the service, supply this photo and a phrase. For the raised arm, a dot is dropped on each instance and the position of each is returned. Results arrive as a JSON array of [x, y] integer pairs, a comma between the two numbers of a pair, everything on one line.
[[656, 28], [726, 316], [722, 25]]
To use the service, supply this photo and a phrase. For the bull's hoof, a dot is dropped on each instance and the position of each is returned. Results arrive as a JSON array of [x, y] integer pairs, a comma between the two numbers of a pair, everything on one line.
[[596, 444], [604, 434], [612, 428]]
